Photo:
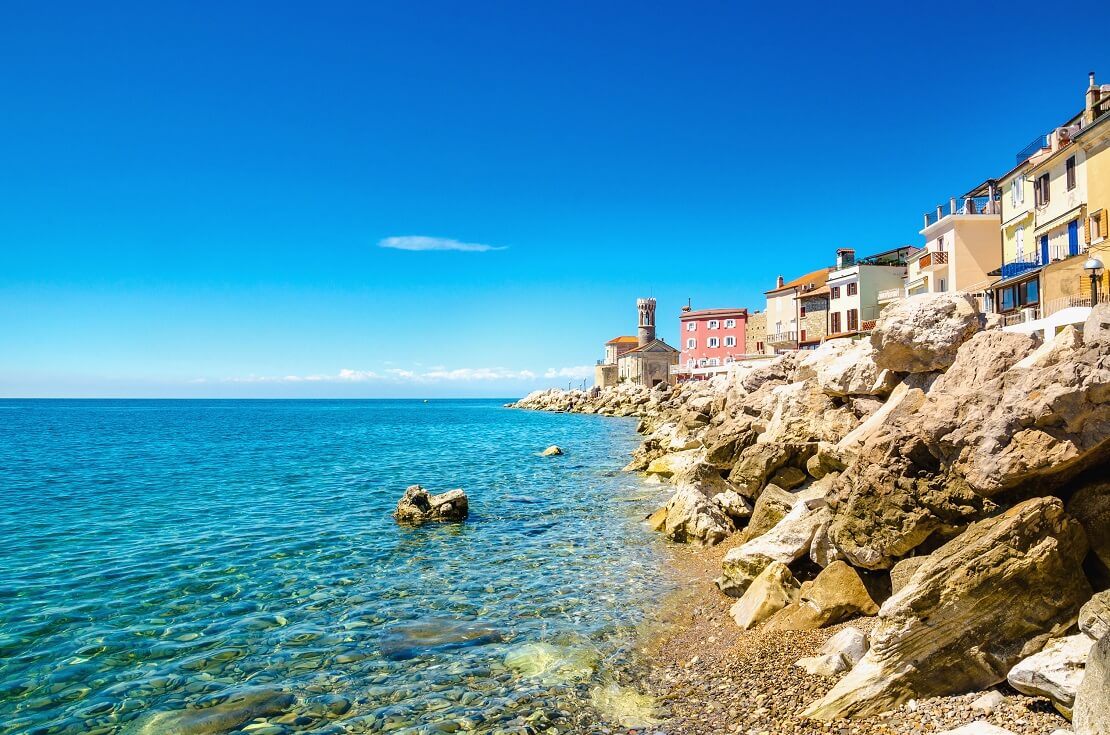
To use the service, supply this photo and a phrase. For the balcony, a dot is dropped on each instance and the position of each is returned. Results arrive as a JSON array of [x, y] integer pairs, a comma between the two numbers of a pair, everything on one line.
[[985, 205], [1019, 265], [1039, 143], [782, 338], [932, 260]]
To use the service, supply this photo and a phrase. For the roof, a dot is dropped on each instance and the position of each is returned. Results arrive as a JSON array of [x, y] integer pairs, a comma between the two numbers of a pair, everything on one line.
[[623, 341], [712, 312], [823, 291], [815, 278], [648, 348]]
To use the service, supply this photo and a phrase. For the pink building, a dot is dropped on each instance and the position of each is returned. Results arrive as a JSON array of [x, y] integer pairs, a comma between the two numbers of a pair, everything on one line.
[[710, 338]]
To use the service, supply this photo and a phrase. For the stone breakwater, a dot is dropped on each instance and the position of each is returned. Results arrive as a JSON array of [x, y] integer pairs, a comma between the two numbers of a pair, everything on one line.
[[942, 481]]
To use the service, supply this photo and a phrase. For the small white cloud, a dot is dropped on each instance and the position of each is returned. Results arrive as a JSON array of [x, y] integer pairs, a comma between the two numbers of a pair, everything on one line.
[[420, 243], [579, 372], [395, 375]]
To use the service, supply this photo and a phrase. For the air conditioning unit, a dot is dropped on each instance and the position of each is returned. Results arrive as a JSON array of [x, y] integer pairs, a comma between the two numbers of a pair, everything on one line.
[[1029, 314]]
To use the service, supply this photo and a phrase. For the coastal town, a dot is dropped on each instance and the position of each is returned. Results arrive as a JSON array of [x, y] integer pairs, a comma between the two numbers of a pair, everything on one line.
[[1029, 244]]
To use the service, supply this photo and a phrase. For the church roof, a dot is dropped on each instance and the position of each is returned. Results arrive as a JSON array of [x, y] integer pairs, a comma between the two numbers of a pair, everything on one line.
[[623, 341], [656, 345]]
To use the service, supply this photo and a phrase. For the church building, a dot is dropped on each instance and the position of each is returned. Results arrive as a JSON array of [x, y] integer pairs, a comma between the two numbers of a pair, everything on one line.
[[648, 363]]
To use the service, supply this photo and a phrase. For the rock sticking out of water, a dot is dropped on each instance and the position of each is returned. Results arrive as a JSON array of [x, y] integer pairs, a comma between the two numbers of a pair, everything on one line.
[[418, 506]]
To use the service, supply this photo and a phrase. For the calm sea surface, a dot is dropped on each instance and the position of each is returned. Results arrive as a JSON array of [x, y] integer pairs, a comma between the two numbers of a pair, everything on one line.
[[231, 566]]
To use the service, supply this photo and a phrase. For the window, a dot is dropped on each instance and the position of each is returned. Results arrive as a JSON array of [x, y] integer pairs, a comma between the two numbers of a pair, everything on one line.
[[835, 292], [853, 320], [802, 311], [714, 342], [1040, 190], [691, 343], [1019, 242], [1069, 168], [1017, 191], [691, 362], [802, 337], [691, 326], [942, 287], [1029, 292], [1096, 225], [714, 362], [730, 323], [834, 322], [713, 324], [1006, 299], [730, 341], [759, 347], [853, 289], [729, 360]]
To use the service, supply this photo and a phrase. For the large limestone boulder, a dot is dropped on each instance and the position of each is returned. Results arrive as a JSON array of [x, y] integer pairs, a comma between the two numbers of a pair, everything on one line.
[[787, 542], [800, 413], [1054, 672], [676, 462], [1092, 703], [1094, 616], [845, 367], [980, 604], [756, 465], [691, 516], [418, 506], [772, 590], [902, 572], [835, 595], [922, 333], [1090, 505], [771, 507]]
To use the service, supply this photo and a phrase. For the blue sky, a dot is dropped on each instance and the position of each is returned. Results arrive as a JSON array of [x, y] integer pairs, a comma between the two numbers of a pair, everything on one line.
[[193, 197]]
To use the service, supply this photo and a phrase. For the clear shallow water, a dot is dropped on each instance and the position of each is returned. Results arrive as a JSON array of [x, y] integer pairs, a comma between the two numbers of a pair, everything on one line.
[[222, 560]]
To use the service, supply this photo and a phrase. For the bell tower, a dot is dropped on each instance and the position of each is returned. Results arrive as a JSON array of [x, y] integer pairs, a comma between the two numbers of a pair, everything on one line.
[[646, 332]]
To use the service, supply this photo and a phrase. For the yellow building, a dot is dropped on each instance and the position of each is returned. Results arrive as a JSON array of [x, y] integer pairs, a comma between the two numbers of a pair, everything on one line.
[[1094, 139], [1044, 285]]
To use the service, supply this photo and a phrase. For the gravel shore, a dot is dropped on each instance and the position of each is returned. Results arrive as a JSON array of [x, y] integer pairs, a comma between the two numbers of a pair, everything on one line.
[[709, 676]]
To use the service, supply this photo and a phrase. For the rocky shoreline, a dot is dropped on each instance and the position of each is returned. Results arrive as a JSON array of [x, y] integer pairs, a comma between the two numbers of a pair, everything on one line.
[[939, 487]]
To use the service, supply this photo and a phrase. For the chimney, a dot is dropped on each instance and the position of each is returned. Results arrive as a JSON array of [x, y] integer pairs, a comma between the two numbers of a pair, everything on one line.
[[1094, 96], [780, 283], [845, 257]]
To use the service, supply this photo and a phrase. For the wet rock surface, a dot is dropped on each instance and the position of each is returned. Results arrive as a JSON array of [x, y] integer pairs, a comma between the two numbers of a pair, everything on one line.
[[418, 506]]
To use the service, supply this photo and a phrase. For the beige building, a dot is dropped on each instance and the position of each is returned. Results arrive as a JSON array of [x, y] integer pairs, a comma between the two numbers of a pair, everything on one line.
[[641, 359], [855, 285], [783, 313], [963, 245], [813, 316]]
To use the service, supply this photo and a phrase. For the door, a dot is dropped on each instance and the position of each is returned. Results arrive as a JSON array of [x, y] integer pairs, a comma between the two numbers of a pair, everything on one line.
[[1044, 249], [1073, 237]]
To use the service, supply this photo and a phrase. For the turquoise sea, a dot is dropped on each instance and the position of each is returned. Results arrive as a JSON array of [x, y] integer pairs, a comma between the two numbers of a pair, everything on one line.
[[231, 566]]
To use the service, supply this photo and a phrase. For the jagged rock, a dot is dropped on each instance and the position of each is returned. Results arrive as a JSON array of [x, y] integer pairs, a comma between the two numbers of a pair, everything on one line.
[[825, 460], [778, 371], [772, 590], [771, 507], [836, 594], [978, 605], [787, 542], [733, 504], [691, 516], [1097, 327], [1053, 672], [756, 464], [921, 333], [822, 551], [724, 443], [1092, 702], [788, 478], [1090, 505], [845, 367], [1094, 616], [901, 572], [904, 400], [672, 464], [801, 413], [418, 506], [551, 451], [840, 653]]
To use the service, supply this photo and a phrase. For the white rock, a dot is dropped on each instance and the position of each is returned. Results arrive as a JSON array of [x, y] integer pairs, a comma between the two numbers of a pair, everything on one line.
[[1055, 672], [851, 643], [787, 542], [772, 590], [829, 664], [989, 702]]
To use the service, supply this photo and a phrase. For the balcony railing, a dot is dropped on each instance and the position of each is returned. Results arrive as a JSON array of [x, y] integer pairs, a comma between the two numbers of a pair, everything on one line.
[[1020, 265], [1065, 302], [931, 258], [1038, 143], [1020, 317], [782, 337], [968, 205]]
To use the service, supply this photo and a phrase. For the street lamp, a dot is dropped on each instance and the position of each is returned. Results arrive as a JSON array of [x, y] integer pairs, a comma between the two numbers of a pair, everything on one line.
[[1093, 266]]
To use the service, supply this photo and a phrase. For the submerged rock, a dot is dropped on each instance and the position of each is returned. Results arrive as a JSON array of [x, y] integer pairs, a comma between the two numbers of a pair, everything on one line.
[[552, 451], [220, 713], [979, 605], [418, 506]]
